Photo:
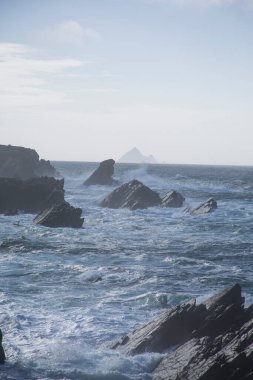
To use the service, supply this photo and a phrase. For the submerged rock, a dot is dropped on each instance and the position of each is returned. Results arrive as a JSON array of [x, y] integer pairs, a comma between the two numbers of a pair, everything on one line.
[[102, 175], [2, 354], [60, 215], [172, 199], [29, 196], [212, 340], [23, 163], [204, 208], [133, 195]]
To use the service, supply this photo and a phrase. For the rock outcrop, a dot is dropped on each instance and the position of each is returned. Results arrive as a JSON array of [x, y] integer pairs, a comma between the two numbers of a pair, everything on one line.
[[2, 354], [102, 175], [133, 195], [23, 163], [29, 196], [204, 208], [212, 340], [60, 215], [172, 199]]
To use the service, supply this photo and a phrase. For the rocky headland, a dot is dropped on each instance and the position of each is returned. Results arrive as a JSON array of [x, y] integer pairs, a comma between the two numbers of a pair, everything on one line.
[[23, 163], [29, 196], [212, 340]]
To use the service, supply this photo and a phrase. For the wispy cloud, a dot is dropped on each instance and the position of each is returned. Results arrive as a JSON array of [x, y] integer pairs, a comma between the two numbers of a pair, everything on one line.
[[69, 32], [25, 77]]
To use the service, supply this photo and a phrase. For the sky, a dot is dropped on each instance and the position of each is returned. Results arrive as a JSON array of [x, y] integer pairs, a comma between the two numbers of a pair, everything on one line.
[[88, 80]]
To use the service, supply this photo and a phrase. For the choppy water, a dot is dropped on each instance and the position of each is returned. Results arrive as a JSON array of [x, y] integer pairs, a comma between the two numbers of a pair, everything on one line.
[[66, 293]]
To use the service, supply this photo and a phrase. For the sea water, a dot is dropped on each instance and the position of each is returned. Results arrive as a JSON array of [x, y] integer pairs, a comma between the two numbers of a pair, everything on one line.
[[66, 294]]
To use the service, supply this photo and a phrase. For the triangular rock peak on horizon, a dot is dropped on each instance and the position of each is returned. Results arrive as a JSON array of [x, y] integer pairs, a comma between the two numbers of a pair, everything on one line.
[[134, 156]]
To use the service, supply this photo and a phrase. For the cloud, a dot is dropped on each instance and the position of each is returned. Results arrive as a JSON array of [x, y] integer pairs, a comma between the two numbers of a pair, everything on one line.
[[69, 32], [25, 77]]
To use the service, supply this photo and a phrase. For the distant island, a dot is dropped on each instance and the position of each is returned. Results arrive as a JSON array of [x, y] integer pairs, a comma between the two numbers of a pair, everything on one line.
[[134, 156]]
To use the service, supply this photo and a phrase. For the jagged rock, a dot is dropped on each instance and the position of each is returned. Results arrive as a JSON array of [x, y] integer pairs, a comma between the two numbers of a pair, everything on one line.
[[102, 175], [133, 195], [30, 196], [213, 340], [60, 215], [204, 208], [168, 329], [23, 163], [2, 354], [172, 199]]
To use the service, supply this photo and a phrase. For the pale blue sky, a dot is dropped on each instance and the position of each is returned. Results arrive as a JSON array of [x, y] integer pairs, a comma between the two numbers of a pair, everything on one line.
[[90, 79]]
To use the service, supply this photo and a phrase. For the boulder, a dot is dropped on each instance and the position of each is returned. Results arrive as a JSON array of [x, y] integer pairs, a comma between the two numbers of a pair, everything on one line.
[[172, 199], [2, 354], [29, 196], [212, 340], [133, 195], [23, 163], [60, 215], [102, 175], [206, 207]]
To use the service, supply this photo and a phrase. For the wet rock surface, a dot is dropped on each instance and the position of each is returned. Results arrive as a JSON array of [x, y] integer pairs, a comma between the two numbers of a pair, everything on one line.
[[60, 215], [29, 196], [102, 175], [23, 163], [133, 195], [204, 208], [172, 199], [2, 354], [212, 340]]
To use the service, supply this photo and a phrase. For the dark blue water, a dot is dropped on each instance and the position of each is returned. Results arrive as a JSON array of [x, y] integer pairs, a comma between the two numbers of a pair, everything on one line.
[[66, 293]]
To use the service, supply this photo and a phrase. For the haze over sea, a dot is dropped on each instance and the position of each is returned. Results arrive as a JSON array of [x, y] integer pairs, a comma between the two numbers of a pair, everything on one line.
[[65, 294]]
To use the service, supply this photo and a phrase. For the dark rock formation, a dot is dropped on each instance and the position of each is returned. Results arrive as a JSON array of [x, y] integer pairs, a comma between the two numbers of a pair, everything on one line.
[[168, 329], [213, 340], [172, 199], [60, 215], [2, 354], [133, 195], [204, 208], [102, 175], [30, 196], [23, 163]]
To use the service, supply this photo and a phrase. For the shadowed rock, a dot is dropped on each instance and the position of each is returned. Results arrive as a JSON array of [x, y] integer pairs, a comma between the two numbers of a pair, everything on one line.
[[29, 196], [213, 340], [102, 175], [60, 215], [133, 195], [2, 354], [172, 199], [204, 208], [23, 163], [168, 329]]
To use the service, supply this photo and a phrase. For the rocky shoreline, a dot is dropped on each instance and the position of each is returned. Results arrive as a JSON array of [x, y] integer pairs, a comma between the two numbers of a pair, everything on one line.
[[209, 341]]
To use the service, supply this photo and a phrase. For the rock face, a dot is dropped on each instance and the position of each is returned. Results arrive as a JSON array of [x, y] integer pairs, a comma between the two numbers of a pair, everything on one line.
[[60, 215], [102, 175], [133, 195], [204, 208], [213, 340], [2, 354], [23, 163], [134, 156], [172, 199], [30, 196]]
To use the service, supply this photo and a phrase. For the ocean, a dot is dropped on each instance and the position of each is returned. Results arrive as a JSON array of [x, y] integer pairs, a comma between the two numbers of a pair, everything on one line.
[[66, 294]]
